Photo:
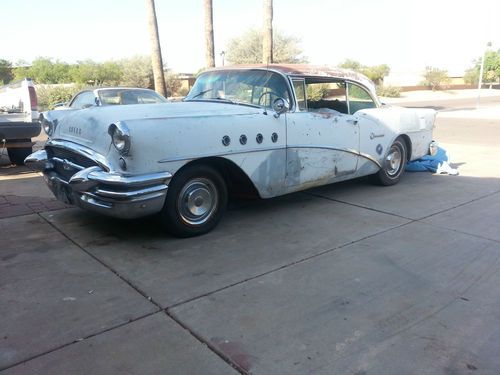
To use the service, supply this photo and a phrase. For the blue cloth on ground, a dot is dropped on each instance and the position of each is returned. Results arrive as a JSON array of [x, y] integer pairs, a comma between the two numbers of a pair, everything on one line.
[[437, 163]]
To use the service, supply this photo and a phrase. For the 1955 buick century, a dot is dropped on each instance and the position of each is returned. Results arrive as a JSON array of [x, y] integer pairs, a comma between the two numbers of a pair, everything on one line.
[[271, 130]]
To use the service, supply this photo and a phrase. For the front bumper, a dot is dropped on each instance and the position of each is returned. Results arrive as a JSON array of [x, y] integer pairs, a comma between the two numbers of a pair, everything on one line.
[[97, 190]]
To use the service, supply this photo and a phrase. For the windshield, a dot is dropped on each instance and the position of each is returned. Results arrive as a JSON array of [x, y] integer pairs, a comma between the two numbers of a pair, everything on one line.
[[129, 96], [252, 87]]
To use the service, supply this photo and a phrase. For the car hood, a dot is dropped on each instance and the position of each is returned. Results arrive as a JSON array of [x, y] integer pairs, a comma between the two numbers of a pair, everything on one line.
[[89, 127]]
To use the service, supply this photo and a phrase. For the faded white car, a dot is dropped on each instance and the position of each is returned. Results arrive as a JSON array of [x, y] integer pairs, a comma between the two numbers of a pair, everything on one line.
[[271, 129]]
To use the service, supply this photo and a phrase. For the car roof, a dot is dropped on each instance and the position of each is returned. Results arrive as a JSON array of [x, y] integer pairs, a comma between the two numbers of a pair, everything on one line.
[[305, 70]]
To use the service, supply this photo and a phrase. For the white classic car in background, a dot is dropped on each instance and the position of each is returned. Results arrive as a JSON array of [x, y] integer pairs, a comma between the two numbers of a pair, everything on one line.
[[270, 129]]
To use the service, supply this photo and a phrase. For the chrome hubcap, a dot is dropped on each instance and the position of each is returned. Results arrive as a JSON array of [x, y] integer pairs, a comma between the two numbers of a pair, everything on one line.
[[393, 161], [198, 201]]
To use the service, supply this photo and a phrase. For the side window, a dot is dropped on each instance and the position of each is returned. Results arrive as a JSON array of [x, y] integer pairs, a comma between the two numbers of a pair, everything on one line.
[[300, 93], [83, 100], [326, 96], [359, 98]]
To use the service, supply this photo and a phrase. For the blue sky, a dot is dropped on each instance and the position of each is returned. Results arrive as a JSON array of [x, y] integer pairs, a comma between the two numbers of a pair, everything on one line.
[[406, 35]]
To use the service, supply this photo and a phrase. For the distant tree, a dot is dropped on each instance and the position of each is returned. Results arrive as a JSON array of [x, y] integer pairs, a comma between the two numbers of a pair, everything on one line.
[[267, 33], [351, 64], [247, 48], [376, 73], [209, 34], [435, 78], [6, 73], [20, 70], [45, 70], [156, 58], [491, 72], [471, 76], [137, 72], [97, 74]]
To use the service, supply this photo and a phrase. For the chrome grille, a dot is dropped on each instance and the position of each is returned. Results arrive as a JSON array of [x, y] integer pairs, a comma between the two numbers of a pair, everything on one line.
[[66, 162]]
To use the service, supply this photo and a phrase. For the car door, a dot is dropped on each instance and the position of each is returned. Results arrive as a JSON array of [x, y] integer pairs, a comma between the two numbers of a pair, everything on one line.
[[373, 135], [322, 137]]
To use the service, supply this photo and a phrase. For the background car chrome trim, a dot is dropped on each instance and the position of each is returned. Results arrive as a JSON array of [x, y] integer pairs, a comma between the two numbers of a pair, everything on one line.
[[82, 150]]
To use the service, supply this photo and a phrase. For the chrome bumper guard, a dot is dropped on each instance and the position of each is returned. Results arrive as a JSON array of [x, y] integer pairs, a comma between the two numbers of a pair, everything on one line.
[[108, 193]]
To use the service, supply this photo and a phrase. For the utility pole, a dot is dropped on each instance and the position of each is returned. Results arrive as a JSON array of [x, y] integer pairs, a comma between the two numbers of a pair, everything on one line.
[[156, 59], [481, 71], [267, 33], [209, 34]]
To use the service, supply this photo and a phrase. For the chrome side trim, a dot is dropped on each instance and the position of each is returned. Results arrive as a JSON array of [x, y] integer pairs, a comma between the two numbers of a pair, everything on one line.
[[371, 158], [246, 151], [81, 150], [348, 150]]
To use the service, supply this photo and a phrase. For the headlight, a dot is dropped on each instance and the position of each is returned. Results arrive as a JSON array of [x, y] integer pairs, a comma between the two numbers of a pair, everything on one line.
[[48, 126], [120, 136]]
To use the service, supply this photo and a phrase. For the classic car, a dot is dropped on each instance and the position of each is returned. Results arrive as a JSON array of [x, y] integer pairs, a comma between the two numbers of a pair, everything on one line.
[[266, 129], [111, 96]]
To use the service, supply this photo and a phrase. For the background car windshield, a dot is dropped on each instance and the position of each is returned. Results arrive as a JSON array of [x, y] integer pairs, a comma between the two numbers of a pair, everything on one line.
[[253, 87], [120, 96]]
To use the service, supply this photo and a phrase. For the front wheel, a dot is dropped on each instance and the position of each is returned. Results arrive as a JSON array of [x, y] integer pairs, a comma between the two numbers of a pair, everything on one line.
[[196, 201], [393, 165]]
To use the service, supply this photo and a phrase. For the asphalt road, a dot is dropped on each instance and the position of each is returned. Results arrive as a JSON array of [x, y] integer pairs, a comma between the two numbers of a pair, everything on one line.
[[345, 279], [454, 104]]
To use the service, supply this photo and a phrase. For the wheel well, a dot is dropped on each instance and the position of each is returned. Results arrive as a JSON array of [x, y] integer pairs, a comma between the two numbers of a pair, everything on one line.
[[407, 141], [237, 181]]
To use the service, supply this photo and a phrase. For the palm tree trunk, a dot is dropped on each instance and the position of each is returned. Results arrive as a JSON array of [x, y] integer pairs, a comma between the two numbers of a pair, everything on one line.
[[267, 37], [209, 34], [155, 49]]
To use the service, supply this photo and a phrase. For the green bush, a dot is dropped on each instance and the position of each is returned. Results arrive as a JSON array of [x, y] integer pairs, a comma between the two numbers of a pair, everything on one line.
[[389, 91], [50, 95]]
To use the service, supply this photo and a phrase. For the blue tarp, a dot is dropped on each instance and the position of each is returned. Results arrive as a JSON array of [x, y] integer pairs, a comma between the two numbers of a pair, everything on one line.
[[437, 163]]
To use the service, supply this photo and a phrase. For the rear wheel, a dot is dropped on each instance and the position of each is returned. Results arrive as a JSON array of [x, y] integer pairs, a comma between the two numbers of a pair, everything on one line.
[[196, 201], [393, 165], [18, 154]]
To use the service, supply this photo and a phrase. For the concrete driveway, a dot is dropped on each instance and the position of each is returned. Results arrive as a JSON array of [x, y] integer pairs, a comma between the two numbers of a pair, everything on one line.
[[346, 279]]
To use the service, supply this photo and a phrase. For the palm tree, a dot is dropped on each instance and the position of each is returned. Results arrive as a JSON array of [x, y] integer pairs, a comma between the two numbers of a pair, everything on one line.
[[155, 49], [267, 35], [209, 34]]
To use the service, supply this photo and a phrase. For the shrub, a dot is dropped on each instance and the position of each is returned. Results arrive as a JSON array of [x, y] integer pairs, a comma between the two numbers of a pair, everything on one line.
[[435, 78], [389, 91], [50, 95]]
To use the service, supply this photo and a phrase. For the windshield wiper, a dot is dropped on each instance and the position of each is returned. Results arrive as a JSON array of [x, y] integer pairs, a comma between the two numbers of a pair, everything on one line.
[[225, 100], [200, 93]]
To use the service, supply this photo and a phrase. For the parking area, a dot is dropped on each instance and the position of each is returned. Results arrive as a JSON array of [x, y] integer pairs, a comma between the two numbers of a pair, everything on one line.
[[349, 278]]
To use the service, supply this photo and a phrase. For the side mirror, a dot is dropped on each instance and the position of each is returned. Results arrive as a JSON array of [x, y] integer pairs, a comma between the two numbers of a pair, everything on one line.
[[280, 106]]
